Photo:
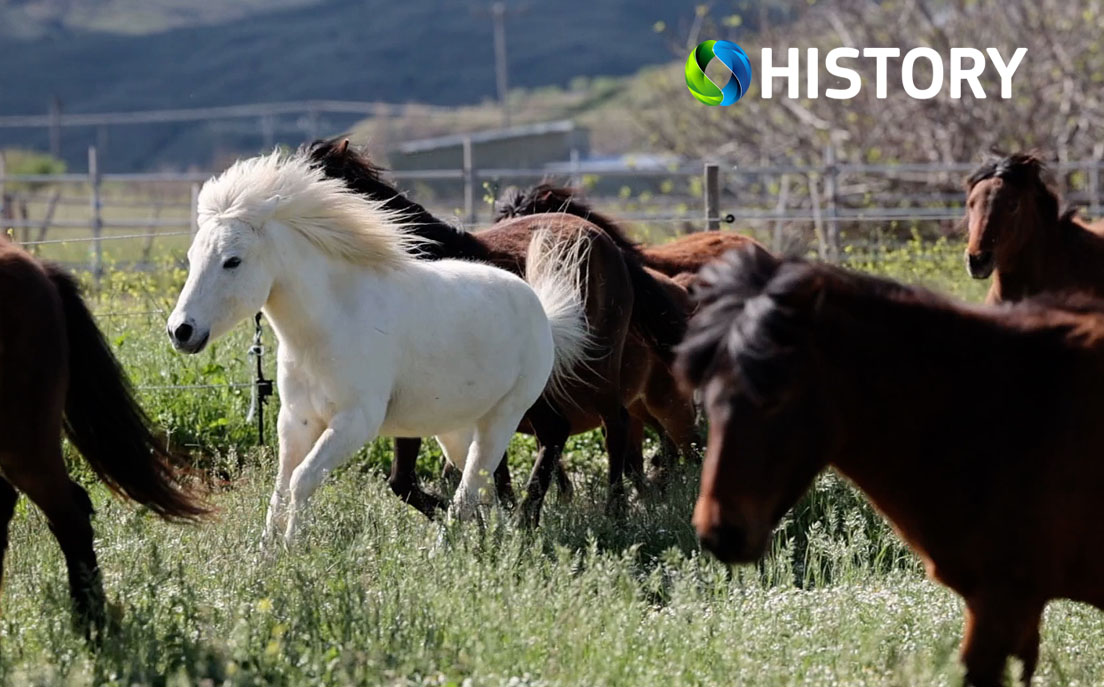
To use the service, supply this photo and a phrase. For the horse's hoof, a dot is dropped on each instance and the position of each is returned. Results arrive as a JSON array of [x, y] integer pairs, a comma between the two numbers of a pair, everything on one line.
[[617, 504], [566, 490], [529, 513]]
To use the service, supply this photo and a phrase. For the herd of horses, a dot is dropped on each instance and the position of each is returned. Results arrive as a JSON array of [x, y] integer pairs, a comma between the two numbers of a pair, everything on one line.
[[972, 428]]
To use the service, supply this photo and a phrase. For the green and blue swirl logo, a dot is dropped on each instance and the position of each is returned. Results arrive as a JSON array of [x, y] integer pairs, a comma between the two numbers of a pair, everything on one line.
[[730, 55]]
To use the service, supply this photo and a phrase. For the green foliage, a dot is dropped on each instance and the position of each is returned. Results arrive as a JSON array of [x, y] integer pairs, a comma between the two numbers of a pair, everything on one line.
[[376, 594]]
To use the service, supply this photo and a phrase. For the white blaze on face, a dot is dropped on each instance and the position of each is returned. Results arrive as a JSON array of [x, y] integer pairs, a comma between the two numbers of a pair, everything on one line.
[[229, 279]]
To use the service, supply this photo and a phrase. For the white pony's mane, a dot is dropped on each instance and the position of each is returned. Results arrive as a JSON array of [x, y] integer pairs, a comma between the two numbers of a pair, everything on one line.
[[338, 221]]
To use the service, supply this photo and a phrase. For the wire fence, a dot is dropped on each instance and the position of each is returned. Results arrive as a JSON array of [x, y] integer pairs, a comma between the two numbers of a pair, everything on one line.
[[826, 207]]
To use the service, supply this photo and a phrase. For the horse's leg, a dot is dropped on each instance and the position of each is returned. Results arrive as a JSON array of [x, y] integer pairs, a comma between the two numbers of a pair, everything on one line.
[[634, 448], [998, 627], [347, 432], [551, 429], [488, 446], [404, 478], [8, 498], [297, 435], [504, 486], [69, 512], [615, 421], [677, 421]]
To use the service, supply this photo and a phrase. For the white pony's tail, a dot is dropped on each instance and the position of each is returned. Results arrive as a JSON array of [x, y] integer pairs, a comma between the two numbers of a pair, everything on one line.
[[556, 271]]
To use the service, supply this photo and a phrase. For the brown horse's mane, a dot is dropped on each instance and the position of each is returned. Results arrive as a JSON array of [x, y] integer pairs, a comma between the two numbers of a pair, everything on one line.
[[756, 314], [340, 160], [546, 197]]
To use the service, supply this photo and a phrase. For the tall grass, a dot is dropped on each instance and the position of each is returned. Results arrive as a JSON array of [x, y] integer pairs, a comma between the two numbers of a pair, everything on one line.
[[376, 594]]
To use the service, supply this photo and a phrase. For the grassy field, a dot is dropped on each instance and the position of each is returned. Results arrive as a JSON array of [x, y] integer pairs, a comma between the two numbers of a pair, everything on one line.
[[376, 594]]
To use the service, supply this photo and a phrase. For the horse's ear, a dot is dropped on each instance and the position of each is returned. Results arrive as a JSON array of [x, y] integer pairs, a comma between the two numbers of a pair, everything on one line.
[[343, 146], [268, 208]]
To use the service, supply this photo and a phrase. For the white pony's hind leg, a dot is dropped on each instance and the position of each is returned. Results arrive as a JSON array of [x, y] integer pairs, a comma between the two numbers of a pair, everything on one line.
[[347, 432], [296, 435], [455, 446], [492, 436]]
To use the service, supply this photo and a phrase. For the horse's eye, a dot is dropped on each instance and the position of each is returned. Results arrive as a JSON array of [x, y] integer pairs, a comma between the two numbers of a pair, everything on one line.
[[231, 263]]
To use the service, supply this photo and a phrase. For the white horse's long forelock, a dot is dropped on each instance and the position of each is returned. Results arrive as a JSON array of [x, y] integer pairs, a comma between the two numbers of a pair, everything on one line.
[[332, 217], [556, 271]]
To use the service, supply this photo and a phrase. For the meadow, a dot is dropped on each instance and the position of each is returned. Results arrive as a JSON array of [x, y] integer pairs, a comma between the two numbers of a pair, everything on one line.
[[376, 594]]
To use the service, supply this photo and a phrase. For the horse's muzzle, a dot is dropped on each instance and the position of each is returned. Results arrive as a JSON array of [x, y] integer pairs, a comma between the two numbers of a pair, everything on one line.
[[728, 543], [980, 264], [186, 339]]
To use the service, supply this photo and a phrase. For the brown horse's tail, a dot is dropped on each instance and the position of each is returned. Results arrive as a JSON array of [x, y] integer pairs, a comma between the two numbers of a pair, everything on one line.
[[107, 426], [656, 315]]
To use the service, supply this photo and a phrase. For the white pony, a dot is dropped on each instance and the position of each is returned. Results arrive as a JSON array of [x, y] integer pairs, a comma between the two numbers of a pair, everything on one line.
[[373, 341]]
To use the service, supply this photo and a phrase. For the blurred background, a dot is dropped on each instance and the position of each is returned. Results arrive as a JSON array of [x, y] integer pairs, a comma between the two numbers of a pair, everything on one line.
[[138, 101]]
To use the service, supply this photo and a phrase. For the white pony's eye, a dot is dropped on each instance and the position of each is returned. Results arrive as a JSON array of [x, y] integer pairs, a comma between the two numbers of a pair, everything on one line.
[[231, 263]]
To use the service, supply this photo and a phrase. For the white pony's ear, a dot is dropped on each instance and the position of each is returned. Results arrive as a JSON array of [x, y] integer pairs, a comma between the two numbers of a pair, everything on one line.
[[267, 208]]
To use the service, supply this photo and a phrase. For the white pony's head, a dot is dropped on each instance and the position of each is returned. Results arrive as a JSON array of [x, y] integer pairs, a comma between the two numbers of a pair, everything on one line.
[[247, 216]]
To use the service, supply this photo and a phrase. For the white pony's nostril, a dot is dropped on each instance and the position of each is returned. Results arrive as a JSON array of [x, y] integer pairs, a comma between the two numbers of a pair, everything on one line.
[[183, 333]]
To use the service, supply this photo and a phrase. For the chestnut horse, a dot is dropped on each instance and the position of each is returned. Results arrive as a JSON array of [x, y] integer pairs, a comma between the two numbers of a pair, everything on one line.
[[58, 373], [679, 259], [620, 297], [986, 461], [675, 419], [1017, 234]]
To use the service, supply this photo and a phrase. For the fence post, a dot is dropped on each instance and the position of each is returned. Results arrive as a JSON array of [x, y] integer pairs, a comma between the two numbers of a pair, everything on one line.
[[469, 181], [712, 195], [96, 203], [5, 206], [831, 191], [1094, 186], [193, 211]]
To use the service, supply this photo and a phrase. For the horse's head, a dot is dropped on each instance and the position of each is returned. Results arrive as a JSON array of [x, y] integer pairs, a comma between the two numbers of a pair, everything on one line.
[[1005, 200], [229, 279], [748, 350]]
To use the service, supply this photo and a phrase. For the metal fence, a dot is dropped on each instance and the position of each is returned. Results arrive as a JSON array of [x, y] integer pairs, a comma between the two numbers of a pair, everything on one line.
[[791, 207], [824, 206]]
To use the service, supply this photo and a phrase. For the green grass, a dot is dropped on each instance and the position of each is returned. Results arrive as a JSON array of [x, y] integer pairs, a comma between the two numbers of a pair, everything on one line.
[[376, 594]]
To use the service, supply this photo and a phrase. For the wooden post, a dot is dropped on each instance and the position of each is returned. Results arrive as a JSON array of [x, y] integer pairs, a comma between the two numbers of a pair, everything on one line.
[[780, 211], [469, 181], [1094, 185], [5, 203], [576, 178], [831, 192], [55, 126], [96, 206], [818, 225], [712, 195], [194, 210]]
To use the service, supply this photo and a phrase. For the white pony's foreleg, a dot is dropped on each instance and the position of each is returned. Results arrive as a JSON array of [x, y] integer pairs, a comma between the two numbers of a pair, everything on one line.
[[296, 436], [492, 436], [347, 432]]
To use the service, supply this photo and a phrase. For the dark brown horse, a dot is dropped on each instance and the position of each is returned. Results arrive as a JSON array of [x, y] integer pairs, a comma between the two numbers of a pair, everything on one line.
[[658, 402], [976, 431], [1018, 234], [57, 373], [621, 297], [679, 259]]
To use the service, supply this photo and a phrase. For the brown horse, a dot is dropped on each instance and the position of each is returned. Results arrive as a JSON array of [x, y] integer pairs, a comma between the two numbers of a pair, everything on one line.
[[1017, 234], [679, 259], [621, 297], [658, 401], [57, 373], [986, 460]]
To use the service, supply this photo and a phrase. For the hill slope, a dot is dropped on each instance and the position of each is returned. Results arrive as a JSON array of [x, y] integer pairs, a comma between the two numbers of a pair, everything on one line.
[[433, 51]]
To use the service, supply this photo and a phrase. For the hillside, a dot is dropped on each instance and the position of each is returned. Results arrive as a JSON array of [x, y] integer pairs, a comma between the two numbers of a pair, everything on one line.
[[434, 52]]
